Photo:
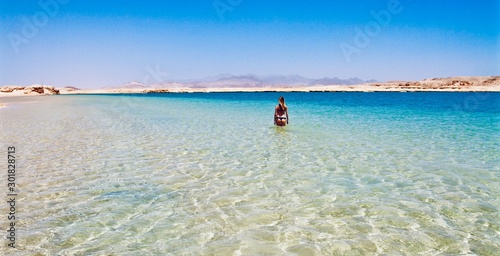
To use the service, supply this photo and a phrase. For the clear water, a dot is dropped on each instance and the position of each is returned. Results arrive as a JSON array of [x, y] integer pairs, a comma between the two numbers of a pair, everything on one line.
[[208, 174]]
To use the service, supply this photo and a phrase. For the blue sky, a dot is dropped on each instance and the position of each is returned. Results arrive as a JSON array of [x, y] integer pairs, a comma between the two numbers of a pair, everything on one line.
[[92, 44]]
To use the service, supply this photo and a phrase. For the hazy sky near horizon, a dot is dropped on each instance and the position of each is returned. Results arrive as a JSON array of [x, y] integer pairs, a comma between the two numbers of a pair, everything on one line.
[[91, 44]]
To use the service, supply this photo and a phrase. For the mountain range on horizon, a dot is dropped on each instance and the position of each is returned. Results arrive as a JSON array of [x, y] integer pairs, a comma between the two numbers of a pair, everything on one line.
[[248, 80]]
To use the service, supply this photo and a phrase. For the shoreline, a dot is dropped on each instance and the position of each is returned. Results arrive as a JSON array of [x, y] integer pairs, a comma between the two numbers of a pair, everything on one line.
[[336, 88], [322, 88], [451, 84]]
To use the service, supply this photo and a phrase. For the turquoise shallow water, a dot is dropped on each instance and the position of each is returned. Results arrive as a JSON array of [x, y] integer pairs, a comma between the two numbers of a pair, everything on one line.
[[208, 174]]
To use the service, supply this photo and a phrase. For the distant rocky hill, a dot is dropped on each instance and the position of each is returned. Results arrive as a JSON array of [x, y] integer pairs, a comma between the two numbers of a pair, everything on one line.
[[33, 89], [246, 81], [450, 83], [338, 81]]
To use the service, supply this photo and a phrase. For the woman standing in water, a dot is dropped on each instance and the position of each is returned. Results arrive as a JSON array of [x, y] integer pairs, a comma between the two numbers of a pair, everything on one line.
[[281, 113]]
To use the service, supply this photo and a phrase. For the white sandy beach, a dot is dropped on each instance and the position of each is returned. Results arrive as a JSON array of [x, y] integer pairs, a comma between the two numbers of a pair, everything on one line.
[[452, 84]]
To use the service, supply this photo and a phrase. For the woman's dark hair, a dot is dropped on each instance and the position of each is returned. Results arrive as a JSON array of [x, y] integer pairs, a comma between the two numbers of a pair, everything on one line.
[[281, 101]]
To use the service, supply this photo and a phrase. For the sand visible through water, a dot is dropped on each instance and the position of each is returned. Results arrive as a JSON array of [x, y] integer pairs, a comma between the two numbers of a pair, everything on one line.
[[353, 173]]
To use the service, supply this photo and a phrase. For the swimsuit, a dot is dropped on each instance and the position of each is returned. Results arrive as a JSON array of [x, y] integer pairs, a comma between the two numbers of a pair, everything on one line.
[[282, 117]]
